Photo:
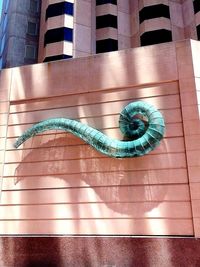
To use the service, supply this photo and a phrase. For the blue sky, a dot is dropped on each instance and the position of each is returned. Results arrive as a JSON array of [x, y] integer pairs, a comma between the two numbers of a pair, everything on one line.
[[1, 1]]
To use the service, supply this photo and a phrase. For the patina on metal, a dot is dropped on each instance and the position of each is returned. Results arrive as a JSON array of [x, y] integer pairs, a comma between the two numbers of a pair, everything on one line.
[[141, 123]]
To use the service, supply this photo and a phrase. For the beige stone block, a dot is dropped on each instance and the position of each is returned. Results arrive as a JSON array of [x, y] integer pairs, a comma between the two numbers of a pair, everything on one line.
[[177, 33], [124, 42], [187, 84], [77, 53], [60, 21], [197, 18], [85, 113], [134, 6], [106, 33], [59, 48], [194, 174], [192, 127], [123, 6], [196, 222], [111, 226], [83, 13], [3, 118], [82, 38], [114, 96], [189, 98], [82, 151], [2, 153], [3, 131], [172, 176], [4, 94], [1, 172], [192, 142], [177, 1], [191, 112], [98, 210], [188, 12], [69, 21], [196, 208], [191, 31], [106, 9], [54, 49], [146, 65], [135, 40], [4, 107], [184, 60], [195, 191], [93, 27], [2, 143], [68, 47], [124, 25], [155, 24], [5, 83], [135, 24], [193, 158], [132, 194], [176, 15]]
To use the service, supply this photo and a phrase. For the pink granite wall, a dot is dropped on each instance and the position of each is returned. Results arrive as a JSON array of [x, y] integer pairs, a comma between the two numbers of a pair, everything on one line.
[[56, 184], [98, 251]]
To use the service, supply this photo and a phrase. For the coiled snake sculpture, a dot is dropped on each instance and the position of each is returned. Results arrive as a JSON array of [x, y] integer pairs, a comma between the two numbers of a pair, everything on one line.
[[140, 122]]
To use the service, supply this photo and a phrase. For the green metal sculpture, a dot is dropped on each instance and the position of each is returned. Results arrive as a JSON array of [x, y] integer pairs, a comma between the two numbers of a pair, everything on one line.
[[139, 121]]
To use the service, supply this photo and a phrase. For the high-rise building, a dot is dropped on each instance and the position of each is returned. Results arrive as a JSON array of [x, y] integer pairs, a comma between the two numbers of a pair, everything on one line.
[[80, 28], [19, 32]]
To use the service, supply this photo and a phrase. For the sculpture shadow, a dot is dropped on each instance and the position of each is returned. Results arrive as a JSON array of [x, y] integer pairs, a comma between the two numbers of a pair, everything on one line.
[[113, 184]]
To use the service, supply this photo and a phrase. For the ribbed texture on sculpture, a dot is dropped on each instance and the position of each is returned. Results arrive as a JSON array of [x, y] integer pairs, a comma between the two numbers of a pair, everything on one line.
[[139, 121]]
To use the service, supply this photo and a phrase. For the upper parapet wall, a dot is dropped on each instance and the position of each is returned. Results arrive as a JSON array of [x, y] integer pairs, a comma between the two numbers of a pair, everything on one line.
[[133, 67]]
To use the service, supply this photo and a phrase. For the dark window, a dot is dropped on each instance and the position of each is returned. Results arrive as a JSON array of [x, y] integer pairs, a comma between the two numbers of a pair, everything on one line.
[[30, 52], [59, 9], [32, 28], [57, 57], [106, 45], [34, 6], [103, 2], [198, 32], [196, 4], [156, 37], [106, 21], [156, 11], [57, 35]]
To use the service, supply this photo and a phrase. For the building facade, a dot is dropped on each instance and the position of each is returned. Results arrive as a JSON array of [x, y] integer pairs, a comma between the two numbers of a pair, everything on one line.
[[57, 186], [62, 203], [51, 30], [108, 25]]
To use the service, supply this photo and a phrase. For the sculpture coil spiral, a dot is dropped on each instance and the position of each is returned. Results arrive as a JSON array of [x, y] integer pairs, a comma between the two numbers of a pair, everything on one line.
[[139, 121]]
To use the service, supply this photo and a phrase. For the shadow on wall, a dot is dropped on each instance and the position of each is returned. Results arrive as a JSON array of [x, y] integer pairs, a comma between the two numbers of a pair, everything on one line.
[[78, 167]]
